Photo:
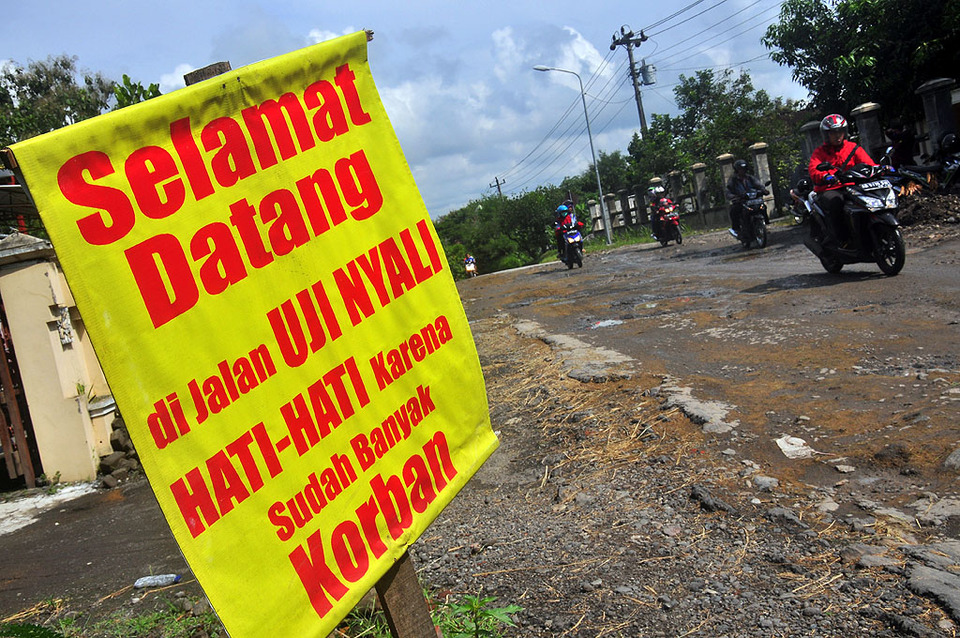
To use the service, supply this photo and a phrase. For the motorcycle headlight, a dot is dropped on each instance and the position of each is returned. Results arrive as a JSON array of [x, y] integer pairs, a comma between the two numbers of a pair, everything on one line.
[[879, 200]]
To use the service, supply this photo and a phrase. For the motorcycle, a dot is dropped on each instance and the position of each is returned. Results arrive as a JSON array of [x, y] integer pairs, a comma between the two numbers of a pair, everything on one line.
[[800, 204], [471, 268], [940, 174], [908, 180], [945, 166], [870, 207], [669, 222], [753, 220], [572, 246]]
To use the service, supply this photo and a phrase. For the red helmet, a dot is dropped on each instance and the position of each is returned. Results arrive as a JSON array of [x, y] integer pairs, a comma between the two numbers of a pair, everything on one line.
[[833, 122]]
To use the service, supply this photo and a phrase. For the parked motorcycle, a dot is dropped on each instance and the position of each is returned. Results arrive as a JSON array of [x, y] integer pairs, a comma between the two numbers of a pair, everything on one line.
[[908, 179], [870, 218], [669, 222], [753, 220], [945, 164], [572, 246], [941, 173]]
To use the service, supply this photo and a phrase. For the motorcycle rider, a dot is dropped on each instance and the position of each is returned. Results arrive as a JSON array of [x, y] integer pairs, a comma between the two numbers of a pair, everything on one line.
[[840, 153], [564, 217], [656, 196], [737, 186]]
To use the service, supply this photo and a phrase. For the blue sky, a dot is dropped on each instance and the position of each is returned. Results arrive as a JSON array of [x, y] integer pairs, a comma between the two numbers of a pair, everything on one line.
[[455, 77]]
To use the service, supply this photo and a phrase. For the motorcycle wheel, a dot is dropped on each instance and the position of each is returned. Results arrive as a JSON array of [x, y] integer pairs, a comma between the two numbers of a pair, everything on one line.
[[568, 256], [677, 235], [760, 233], [890, 250], [578, 256], [664, 242]]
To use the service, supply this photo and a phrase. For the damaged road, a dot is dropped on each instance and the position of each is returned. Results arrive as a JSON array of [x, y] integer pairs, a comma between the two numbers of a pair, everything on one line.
[[725, 428], [763, 344]]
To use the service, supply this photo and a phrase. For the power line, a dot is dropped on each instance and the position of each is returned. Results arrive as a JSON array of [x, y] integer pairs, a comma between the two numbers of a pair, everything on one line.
[[672, 15], [715, 25], [682, 22], [553, 154], [763, 22]]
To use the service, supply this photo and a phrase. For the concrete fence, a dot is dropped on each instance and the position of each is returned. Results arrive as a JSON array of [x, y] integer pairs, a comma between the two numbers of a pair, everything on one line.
[[630, 208]]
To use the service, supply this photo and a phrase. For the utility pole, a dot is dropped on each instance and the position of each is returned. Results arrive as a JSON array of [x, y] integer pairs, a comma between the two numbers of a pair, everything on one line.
[[498, 183], [628, 39]]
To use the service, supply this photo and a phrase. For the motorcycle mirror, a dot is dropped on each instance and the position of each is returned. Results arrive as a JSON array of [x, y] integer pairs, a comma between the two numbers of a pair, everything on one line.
[[889, 150]]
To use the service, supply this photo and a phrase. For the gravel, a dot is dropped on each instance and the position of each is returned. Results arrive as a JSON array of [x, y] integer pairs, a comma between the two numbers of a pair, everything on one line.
[[605, 513]]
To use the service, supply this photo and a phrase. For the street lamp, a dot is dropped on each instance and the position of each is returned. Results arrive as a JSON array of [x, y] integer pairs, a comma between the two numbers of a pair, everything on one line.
[[603, 209]]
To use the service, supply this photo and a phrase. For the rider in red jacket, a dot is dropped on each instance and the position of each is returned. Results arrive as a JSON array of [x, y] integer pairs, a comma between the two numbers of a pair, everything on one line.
[[841, 153]]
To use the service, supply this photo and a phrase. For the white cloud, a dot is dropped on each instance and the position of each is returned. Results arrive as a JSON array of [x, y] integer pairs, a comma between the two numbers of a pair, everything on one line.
[[320, 35], [174, 80]]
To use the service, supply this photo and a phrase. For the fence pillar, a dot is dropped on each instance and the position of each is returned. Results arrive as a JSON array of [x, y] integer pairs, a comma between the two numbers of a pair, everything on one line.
[[633, 206], [675, 180], [596, 216], [867, 117], [761, 164], [811, 139], [625, 211], [726, 169], [938, 108], [613, 210], [700, 190]]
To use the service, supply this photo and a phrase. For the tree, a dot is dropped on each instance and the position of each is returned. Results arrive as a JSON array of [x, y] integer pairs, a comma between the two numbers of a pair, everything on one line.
[[48, 95], [847, 52], [658, 152], [129, 92], [720, 113]]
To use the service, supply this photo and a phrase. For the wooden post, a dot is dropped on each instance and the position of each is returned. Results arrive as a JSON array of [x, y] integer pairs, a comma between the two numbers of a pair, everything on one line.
[[206, 72], [13, 407], [403, 602]]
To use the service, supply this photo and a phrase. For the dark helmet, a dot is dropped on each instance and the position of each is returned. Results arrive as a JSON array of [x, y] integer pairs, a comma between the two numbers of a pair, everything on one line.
[[949, 143], [833, 122], [740, 165]]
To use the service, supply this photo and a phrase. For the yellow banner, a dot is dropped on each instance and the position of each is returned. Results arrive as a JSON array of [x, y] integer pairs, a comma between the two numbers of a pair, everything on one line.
[[278, 323]]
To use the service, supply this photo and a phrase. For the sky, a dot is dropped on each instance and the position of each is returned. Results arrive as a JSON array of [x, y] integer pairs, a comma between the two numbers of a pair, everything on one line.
[[456, 78]]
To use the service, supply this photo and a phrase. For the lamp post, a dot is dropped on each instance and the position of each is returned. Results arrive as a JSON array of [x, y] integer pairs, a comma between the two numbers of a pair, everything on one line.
[[603, 208]]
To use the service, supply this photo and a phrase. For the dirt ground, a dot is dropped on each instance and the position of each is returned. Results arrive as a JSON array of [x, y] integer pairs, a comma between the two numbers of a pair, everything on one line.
[[606, 512]]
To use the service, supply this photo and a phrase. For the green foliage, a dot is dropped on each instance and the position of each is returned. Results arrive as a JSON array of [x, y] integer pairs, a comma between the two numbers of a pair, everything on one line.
[[847, 52], [129, 92], [27, 631], [720, 113], [501, 232], [365, 623], [470, 617], [48, 95], [168, 622], [475, 617], [659, 152]]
